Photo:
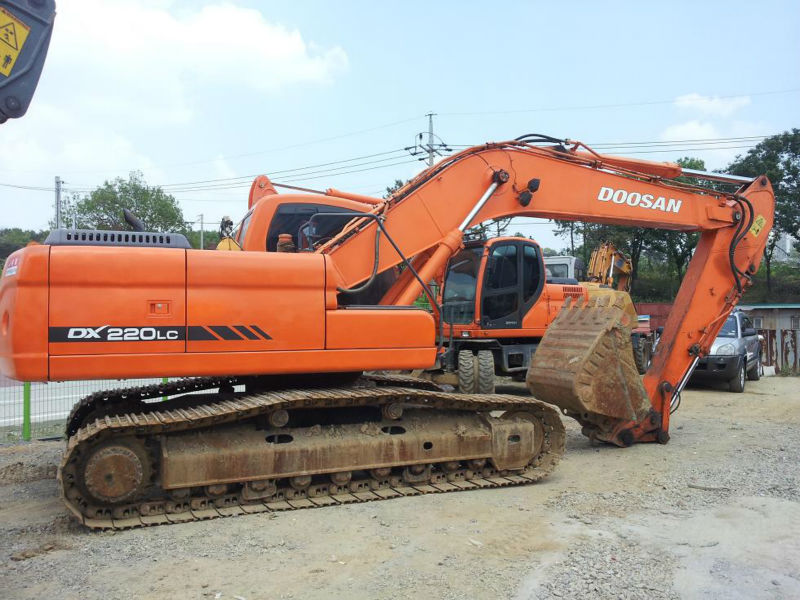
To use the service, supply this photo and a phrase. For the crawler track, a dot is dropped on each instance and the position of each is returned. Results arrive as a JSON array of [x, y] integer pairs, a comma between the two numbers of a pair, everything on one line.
[[150, 424]]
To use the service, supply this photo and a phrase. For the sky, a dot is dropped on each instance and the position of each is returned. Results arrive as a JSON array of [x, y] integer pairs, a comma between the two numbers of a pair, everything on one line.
[[192, 91]]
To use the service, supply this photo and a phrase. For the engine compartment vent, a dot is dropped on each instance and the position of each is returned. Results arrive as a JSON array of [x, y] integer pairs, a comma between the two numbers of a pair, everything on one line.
[[96, 237]]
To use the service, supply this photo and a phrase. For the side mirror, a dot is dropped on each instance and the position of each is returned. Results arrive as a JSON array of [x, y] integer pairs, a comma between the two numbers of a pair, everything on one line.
[[748, 331]]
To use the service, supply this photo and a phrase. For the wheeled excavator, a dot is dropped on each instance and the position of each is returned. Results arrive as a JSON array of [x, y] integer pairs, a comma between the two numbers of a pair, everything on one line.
[[276, 412], [610, 267], [497, 302]]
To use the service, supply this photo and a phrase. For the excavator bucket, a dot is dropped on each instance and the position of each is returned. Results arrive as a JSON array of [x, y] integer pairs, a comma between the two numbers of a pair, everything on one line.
[[584, 365]]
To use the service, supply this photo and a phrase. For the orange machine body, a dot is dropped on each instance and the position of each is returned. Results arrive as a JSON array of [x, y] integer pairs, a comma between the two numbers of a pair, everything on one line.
[[97, 312]]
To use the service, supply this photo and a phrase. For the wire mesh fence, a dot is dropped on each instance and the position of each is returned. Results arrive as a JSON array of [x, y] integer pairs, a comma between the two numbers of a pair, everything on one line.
[[30, 411]]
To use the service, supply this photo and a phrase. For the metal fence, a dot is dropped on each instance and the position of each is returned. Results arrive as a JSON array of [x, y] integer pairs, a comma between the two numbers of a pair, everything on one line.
[[781, 349], [30, 411]]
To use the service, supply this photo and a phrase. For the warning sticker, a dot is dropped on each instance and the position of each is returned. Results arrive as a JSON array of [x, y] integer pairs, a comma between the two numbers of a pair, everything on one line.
[[13, 34], [758, 225]]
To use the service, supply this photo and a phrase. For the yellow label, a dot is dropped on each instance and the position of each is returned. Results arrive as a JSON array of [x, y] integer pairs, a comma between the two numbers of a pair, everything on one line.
[[13, 34], [758, 225]]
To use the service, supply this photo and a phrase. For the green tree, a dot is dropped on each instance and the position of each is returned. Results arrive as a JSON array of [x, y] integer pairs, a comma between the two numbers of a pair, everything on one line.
[[778, 157], [14, 238], [391, 189], [102, 208], [678, 246], [210, 239]]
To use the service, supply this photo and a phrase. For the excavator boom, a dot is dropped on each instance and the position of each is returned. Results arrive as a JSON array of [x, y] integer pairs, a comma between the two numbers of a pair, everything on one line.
[[429, 215]]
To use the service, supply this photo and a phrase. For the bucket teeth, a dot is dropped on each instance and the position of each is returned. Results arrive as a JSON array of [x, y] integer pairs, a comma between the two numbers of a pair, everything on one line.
[[584, 364]]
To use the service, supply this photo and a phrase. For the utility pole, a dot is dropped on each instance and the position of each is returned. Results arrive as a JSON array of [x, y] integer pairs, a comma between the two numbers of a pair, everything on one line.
[[58, 202], [430, 139], [202, 246], [428, 152]]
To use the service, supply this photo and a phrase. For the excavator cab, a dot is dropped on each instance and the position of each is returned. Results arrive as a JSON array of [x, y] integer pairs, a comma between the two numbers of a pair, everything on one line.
[[492, 283]]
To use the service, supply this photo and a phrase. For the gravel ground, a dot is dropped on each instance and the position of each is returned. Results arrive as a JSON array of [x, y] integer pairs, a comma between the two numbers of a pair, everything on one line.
[[713, 514]]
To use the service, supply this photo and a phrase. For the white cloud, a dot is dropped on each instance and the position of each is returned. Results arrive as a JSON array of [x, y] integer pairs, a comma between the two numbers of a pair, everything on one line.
[[691, 130], [129, 58], [711, 105], [124, 77], [692, 139]]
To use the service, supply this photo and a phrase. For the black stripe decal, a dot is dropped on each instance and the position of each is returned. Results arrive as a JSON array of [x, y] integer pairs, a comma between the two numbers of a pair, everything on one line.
[[197, 333], [225, 332], [260, 332], [245, 332]]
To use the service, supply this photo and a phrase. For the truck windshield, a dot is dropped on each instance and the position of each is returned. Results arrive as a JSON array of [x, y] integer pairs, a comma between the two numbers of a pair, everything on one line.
[[558, 270], [729, 329], [458, 296]]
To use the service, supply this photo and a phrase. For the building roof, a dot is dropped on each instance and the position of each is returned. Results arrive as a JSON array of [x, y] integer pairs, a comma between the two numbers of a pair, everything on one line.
[[770, 305]]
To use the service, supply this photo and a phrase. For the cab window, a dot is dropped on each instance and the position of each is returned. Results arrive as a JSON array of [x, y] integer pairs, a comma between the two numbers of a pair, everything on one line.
[[531, 273], [458, 296], [501, 296], [292, 218], [239, 236]]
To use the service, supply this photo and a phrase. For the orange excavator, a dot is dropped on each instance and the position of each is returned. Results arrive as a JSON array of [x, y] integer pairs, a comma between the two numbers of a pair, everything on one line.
[[276, 411]]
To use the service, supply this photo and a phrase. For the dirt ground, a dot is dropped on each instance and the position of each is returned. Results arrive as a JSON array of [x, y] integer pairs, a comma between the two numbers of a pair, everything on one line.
[[713, 514]]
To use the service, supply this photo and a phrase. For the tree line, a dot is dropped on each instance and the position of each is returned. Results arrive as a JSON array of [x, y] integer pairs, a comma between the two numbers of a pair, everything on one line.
[[102, 209], [660, 257]]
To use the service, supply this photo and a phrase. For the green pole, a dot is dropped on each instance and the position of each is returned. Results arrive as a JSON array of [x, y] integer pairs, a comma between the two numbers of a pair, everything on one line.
[[26, 411], [164, 380]]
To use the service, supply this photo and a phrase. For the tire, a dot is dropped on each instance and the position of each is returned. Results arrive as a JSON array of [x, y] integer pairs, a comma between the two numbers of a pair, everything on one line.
[[754, 374], [641, 357], [485, 372], [467, 372], [737, 383]]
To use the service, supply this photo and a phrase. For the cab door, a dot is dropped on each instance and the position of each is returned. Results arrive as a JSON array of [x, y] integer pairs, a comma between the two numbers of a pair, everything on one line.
[[511, 284]]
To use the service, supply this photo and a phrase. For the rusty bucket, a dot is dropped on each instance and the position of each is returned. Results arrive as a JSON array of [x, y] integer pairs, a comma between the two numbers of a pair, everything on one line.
[[584, 365]]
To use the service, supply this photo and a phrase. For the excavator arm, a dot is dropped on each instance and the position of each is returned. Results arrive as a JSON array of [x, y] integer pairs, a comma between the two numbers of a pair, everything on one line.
[[424, 222]]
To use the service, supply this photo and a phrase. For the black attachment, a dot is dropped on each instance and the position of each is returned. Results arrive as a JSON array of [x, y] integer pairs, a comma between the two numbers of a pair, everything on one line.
[[500, 176], [538, 137], [132, 220], [25, 29]]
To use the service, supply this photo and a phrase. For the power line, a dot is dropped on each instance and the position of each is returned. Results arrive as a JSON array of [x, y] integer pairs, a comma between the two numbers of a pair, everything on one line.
[[231, 183], [600, 106], [672, 142], [701, 148], [657, 143], [271, 173], [292, 177], [299, 145], [348, 166]]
